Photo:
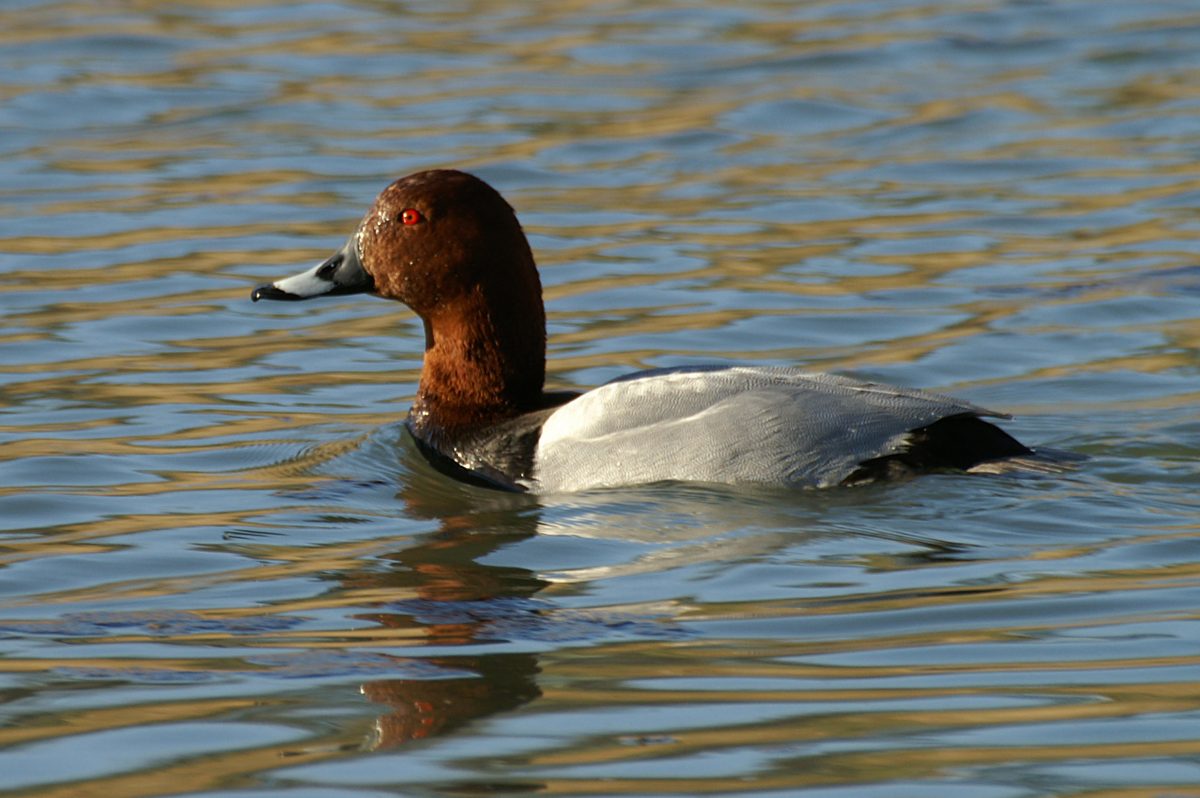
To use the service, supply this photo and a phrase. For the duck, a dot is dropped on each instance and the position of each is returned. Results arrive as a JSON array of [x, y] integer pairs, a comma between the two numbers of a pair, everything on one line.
[[447, 244]]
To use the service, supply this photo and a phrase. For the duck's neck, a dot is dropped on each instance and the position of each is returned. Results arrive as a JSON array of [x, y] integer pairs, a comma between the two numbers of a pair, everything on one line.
[[479, 368]]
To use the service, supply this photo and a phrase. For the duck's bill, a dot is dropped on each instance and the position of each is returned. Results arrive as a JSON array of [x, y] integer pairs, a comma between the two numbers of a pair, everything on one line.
[[341, 274]]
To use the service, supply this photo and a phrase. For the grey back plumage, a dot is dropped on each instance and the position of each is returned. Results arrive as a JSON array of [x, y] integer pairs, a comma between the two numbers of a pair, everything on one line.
[[764, 425]]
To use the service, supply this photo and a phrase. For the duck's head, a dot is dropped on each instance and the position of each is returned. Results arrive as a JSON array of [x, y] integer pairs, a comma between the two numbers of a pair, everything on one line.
[[430, 240], [446, 244]]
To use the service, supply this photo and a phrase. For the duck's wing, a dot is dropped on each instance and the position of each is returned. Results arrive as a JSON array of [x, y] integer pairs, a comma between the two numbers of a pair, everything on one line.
[[756, 425]]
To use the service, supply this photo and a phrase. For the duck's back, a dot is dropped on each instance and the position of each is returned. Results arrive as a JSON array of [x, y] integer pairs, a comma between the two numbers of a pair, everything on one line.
[[775, 426]]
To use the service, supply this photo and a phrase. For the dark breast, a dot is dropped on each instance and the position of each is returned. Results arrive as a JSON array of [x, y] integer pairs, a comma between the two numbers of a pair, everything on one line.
[[500, 456]]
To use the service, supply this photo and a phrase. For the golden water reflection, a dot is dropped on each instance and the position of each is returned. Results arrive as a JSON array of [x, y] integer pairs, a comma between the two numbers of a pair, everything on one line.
[[221, 553]]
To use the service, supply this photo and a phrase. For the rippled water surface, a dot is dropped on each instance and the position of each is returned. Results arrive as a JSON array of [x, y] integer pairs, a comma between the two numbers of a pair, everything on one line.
[[226, 571]]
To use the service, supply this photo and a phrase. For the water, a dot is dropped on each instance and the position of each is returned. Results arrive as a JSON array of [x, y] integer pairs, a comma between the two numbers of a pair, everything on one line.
[[227, 573]]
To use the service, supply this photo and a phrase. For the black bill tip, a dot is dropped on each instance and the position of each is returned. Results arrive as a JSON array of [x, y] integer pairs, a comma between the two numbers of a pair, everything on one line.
[[269, 291]]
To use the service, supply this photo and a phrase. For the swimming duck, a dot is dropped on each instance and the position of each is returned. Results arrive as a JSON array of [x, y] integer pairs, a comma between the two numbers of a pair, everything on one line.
[[448, 246]]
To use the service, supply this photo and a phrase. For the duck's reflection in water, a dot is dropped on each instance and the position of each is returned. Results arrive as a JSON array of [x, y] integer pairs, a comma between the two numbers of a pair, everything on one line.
[[418, 709], [455, 600]]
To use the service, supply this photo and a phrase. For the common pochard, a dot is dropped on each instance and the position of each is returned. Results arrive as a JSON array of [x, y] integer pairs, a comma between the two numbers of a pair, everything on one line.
[[448, 246]]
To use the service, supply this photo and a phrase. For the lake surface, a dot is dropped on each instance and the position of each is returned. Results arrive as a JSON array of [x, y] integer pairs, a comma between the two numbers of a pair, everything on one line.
[[227, 573]]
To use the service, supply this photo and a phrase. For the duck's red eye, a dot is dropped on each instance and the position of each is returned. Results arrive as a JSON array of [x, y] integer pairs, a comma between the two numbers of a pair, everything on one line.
[[411, 216]]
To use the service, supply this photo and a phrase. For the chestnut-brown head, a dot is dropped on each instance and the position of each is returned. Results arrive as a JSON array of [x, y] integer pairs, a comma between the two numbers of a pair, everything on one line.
[[435, 239], [446, 244]]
